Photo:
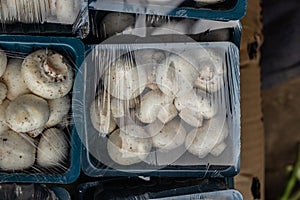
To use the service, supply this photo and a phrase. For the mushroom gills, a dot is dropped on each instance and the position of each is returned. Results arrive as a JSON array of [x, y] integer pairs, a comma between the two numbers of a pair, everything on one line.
[[47, 74]]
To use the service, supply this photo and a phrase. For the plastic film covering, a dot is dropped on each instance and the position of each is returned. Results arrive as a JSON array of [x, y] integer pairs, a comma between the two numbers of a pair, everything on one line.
[[169, 109], [106, 25], [64, 17], [218, 195], [38, 140], [32, 192], [146, 188], [223, 10]]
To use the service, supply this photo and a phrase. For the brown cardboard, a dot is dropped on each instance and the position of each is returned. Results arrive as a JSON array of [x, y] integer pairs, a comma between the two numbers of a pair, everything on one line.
[[252, 138]]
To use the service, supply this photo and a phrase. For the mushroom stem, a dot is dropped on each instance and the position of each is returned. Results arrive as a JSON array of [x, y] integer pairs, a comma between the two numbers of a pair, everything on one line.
[[55, 67]]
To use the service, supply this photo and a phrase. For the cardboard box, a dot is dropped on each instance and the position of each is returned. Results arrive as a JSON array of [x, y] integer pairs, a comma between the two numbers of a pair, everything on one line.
[[250, 181]]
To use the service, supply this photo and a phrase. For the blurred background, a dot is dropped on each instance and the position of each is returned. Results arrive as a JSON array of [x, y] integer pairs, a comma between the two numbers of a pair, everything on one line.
[[280, 70]]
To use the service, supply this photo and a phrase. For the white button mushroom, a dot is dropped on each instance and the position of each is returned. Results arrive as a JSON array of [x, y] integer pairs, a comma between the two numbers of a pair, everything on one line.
[[176, 76], [115, 22], [124, 80], [13, 79], [47, 74], [154, 104], [202, 141], [3, 124], [195, 104], [211, 73], [149, 59], [170, 137], [3, 62], [35, 132], [27, 113], [52, 149], [129, 145], [101, 116], [17, 151], [59, 108]]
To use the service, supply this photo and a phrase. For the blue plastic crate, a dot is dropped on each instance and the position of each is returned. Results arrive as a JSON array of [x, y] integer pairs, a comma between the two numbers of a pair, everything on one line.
[[94, 168], [74, 49], [232, 10]]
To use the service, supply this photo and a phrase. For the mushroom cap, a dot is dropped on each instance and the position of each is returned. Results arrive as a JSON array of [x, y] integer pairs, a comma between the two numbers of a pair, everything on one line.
[[176, 76], [35, 132], [170, 137], [124, 80], [52, 149], [211, 73], [129, 145], [3, 124], [198, 101], [3, 92], [101, 116], [17, 151], [27, 113], [153, 103], [47, 74], [13, 79], [116, 22], [3, 61], [59, 108], [201, 141]]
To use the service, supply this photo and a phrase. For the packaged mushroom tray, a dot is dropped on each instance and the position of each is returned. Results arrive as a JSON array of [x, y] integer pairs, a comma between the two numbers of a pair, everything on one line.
[[108, 26], [10, 191], [44, 16], [201, 9], [161, 109], [38, 141], [150, 188]]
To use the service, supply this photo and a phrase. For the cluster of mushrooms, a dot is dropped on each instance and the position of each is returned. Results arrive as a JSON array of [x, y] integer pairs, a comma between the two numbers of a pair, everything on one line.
[[158, 100], [32, 11], [34, 106]]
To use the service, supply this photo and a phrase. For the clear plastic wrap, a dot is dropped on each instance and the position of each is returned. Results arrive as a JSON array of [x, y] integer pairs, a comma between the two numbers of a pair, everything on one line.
[[32, 192], [106, 25], [61, 17], [206, 9], [168, 109], [38, 140], [137, 188], [218, 195]]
